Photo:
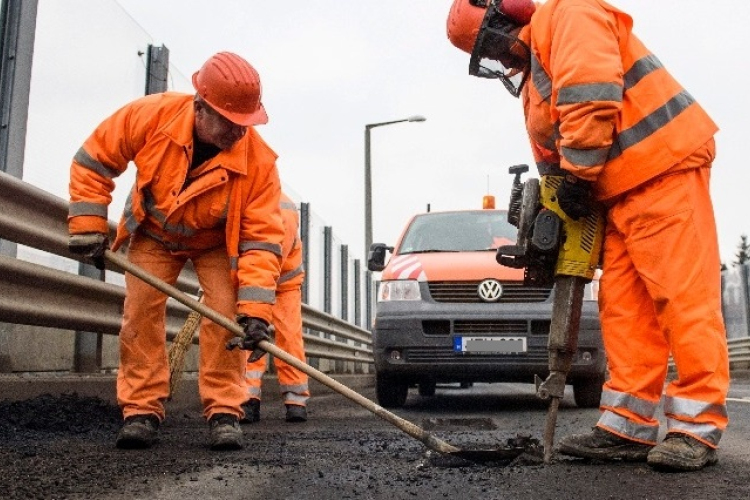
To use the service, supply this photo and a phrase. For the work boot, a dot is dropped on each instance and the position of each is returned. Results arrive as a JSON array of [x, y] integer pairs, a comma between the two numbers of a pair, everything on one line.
[[138, 432], [296, 413], [680, 452], [603, 445], [225, 432], [251, 407]]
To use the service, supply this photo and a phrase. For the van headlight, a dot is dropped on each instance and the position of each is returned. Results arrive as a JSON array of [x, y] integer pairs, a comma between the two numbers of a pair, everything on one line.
[[399, 290]]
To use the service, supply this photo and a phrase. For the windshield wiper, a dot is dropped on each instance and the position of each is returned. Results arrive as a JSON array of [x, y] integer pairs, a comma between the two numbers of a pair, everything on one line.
[[431, 250]]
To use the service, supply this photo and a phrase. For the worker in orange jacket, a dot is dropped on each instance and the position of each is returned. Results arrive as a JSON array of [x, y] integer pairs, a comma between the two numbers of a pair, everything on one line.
[[603, 111], [207, 191], [287, 322]]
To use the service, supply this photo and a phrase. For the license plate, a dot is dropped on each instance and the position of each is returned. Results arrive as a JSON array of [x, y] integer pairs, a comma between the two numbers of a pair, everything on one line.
[[489, 345]]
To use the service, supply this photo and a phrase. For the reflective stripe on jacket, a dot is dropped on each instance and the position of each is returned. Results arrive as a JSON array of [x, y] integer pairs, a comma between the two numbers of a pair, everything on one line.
[[617, 118], [235, 194]]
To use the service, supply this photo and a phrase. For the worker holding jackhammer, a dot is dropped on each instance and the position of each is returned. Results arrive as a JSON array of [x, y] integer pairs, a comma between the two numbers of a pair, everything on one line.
[[601, 109], [287, 321], [207, 191]]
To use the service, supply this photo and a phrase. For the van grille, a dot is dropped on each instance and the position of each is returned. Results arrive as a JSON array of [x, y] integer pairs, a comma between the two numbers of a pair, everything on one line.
[[535, 355], [465, 292], [487, 327]]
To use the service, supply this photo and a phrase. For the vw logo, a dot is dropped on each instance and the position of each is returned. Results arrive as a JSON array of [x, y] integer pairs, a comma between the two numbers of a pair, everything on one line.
[[490, 290]]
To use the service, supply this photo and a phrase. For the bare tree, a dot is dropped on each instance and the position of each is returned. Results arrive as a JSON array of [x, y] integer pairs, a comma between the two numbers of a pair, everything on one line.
[[743, 251]]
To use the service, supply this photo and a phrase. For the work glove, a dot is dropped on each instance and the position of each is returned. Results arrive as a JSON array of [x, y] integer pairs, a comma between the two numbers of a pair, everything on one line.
[[255, 330], [574, 197], [90, 245]]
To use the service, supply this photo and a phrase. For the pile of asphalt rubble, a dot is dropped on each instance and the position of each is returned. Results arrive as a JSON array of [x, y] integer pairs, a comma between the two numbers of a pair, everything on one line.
[[64, 414]]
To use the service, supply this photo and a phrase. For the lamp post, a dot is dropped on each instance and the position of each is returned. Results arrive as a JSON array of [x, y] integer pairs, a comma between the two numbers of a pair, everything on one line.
[[368, 176]]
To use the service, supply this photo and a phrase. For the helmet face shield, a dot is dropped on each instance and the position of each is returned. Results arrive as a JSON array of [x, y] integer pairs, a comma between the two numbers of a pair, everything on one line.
[[498, 53]]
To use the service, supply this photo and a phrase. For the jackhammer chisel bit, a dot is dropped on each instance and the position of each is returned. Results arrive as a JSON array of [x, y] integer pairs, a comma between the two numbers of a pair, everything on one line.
[[562, 346]]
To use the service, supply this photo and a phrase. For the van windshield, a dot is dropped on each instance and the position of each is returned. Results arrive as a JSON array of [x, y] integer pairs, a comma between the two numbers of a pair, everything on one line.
[[466, 231]]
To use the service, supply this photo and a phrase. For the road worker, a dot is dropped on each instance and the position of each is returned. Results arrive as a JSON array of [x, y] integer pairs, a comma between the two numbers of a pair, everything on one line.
[[207, 191], [287, 321], [602, 110]]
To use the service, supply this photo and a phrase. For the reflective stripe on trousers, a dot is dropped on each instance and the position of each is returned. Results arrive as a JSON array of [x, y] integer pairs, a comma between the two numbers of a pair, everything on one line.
[[287, 320]]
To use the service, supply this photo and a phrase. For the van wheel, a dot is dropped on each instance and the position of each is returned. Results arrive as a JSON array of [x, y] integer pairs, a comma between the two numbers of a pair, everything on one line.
[[587, 392], [391, 393], [427, 388]]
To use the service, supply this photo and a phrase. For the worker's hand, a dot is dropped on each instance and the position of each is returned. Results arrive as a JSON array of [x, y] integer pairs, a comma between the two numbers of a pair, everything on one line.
[[574, 197], [255, 330], [91, 245]]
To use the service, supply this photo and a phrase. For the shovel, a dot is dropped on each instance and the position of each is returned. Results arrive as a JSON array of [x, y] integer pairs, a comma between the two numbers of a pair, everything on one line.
[[413, 430]]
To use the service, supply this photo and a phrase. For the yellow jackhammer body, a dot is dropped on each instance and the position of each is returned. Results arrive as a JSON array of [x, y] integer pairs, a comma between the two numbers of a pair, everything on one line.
[[553, 249]]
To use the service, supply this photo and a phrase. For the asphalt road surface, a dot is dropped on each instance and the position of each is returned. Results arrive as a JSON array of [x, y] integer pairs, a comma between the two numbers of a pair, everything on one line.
[[62, 447]]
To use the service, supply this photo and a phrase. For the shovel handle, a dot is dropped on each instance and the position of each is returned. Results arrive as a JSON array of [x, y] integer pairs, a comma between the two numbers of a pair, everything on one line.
[[409, 428]]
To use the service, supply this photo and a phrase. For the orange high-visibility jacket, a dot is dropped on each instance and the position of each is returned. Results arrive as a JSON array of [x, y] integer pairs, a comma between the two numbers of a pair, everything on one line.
[[619, 118], [232, 199], [292, 272]]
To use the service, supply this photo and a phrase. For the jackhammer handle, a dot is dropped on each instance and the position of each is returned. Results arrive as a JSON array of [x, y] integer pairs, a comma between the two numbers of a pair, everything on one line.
[[408, 427]]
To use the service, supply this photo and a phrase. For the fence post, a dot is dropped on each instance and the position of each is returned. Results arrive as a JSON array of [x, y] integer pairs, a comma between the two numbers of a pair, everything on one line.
[[735, 306], [87, 351]]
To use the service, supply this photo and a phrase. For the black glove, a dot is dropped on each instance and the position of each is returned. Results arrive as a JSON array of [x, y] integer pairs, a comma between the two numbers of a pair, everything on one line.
[[255, 330], [91, 245], [574, 197]]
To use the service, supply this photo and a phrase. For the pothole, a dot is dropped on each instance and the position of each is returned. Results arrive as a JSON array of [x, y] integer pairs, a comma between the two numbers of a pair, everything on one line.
[[517, 451], [458, 424]]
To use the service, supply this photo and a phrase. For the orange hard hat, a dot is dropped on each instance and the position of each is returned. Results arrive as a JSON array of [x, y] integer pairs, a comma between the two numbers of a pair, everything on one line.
[[466, 16], [231, 86]]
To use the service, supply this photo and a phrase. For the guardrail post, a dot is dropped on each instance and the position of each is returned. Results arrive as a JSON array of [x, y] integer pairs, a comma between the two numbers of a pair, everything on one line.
[[338, 365], [734, 301], [368, 299], [304, 234], [87, 355], [327, 270], [357, 294], [345, 294], [17, 33], [344, 282], [157, 69]]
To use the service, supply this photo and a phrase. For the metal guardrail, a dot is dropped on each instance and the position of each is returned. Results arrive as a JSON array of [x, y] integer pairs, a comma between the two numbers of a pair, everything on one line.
[[32, 294], [739, 353]]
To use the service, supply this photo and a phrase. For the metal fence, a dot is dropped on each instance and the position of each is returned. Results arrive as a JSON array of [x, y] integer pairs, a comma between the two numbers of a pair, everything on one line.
[[735, 303], [37, 295]]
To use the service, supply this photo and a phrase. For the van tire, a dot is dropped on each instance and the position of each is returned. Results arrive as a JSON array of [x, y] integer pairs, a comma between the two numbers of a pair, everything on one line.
[[427, 388], [587, 392], [391, 393]]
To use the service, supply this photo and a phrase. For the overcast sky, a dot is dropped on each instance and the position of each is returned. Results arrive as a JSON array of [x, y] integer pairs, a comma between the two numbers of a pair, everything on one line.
[[329, 67]]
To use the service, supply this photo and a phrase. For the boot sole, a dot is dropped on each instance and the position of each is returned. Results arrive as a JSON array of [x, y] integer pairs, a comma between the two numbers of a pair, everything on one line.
[[226, 443], [296, 414], [673, 463], [626, 454]]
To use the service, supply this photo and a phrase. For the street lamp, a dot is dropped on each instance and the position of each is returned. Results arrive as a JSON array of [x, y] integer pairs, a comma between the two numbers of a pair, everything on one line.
[[368, 176]]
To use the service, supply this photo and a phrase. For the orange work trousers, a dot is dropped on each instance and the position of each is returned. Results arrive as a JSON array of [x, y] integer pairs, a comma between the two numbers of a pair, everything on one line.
[[287, 320], [661, 294], [143, 376]]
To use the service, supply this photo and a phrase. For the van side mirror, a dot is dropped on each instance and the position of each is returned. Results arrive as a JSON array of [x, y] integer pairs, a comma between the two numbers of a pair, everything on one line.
[[376, 256]]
